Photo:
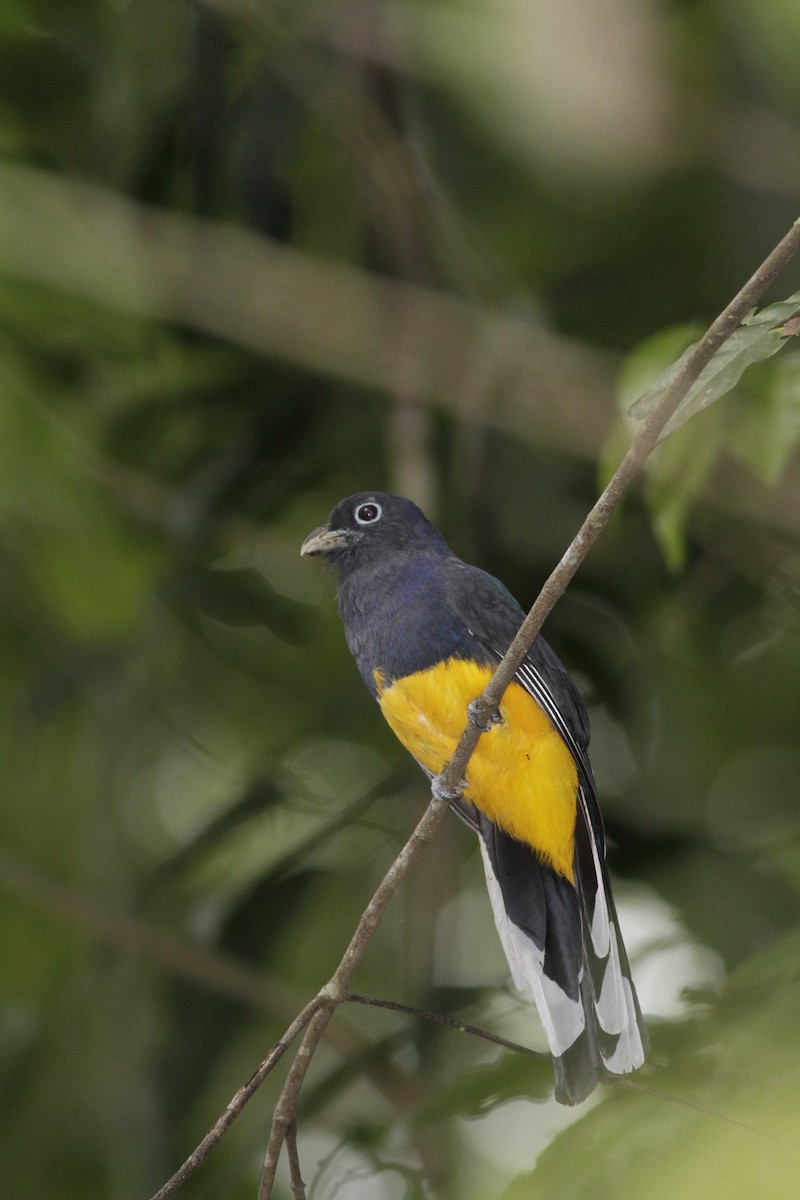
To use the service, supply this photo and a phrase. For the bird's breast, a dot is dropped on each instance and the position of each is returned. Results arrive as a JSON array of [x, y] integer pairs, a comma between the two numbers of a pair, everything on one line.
[[521, 774], [399, 622]]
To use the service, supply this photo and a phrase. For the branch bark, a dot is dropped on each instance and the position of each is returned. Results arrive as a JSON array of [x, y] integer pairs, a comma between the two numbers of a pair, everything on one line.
[[317, 1014]]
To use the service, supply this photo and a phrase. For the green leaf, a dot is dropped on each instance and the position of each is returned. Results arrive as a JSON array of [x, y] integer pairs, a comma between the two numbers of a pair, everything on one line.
[[642, 366], [677, 472], [766, 425], [651, 359], [758, 337], [676, 475]]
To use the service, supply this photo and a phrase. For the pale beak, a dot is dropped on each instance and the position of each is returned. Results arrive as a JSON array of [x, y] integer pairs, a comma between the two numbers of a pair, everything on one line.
[[325, 541]]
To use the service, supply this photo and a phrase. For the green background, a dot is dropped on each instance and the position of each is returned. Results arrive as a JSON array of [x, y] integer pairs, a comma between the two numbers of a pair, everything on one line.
[[257, 256]]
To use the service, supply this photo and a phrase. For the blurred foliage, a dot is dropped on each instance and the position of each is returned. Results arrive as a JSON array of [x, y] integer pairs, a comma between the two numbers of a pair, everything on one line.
[[254, 257]]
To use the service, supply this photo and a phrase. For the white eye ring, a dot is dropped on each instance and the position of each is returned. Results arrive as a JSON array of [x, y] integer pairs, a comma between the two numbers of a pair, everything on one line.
[[368, 513]]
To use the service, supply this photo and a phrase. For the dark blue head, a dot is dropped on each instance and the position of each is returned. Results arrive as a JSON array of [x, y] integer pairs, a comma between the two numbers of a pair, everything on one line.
[[371, 528], [392, 596]]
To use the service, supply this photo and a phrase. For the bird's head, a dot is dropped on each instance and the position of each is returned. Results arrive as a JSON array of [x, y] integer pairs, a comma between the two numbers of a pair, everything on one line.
[[372, 525]]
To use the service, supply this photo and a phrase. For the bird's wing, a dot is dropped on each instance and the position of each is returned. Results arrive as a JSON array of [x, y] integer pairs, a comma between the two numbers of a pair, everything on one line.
[[492, 616], [562, 942]]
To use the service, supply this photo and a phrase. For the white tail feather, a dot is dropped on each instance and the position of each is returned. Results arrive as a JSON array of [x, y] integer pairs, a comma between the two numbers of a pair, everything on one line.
[[562, 1017]]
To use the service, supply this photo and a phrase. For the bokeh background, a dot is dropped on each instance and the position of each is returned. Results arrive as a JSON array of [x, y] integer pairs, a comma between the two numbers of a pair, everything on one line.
[[256, 256]]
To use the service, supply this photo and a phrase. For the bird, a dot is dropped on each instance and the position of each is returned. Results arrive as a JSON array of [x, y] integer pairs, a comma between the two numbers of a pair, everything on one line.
[[427, 631]]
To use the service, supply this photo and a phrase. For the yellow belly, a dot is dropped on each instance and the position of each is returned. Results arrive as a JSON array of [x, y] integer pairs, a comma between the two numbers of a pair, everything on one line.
[[521, 775]]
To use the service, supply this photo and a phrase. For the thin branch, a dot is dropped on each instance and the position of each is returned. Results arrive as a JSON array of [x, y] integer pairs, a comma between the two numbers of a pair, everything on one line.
[[237, 1103], [640, 449], [298, 1187], [214, 971], [620, 1081], [283, 1118], [336, 990], [424, 1014], [315, 1016]]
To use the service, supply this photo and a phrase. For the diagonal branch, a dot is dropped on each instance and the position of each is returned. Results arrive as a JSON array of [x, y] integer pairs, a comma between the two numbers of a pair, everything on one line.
[[638, 452], [335, 991], [248, 1089]]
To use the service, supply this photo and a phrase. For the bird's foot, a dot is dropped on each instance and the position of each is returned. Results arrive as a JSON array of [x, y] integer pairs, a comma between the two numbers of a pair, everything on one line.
[[444, 793], [481, 722]]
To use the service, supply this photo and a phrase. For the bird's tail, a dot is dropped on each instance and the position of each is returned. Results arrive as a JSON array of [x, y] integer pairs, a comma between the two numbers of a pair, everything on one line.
[[563, 947]]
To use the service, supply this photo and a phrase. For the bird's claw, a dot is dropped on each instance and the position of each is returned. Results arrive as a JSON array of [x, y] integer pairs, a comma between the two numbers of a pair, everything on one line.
[[480, 722], [444, 793]]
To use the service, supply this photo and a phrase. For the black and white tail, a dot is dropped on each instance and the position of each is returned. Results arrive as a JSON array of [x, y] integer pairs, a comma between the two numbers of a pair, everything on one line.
[[564, 948]]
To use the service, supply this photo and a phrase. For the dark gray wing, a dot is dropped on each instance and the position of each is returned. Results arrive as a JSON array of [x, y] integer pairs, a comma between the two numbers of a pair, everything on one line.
[[492, 616], [562, 942]]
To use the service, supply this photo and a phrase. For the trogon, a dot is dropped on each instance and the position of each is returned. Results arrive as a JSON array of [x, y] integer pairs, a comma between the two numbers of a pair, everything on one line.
[[427, 630]]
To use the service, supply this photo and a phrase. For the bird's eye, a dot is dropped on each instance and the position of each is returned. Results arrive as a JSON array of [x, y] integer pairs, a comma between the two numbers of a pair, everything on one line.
[[367, 514]]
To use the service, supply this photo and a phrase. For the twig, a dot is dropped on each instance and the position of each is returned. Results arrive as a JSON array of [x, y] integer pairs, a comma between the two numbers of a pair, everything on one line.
[[217, 972], [423, 1014], [298, 1187], [620, 1081], [283, 1117], [335, 991], [238, 1102]]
